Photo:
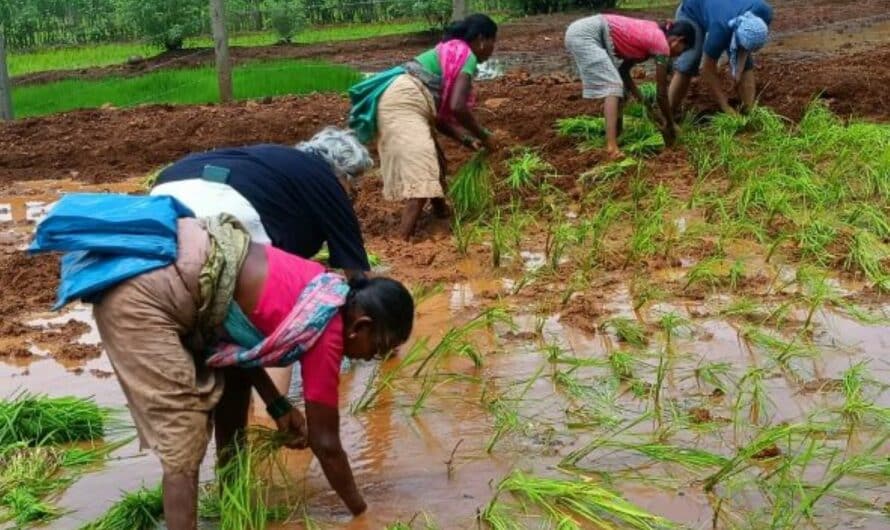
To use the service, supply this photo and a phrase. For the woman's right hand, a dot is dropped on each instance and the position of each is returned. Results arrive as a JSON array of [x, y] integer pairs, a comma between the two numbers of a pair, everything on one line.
[[293, 426]]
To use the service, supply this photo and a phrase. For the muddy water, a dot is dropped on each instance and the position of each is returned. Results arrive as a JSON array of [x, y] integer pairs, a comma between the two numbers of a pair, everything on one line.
[[845, 37], [402, 461]]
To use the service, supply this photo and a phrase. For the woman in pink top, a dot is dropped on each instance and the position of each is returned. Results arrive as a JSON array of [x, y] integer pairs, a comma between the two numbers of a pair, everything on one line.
[[288, 309], [607, 47]]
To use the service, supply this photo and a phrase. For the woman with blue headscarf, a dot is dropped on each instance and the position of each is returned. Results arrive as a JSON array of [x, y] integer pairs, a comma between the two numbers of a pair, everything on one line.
[[735, 27]]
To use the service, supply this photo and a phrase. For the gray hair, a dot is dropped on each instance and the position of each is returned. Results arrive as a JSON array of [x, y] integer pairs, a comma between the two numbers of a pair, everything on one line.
[[341, 149]]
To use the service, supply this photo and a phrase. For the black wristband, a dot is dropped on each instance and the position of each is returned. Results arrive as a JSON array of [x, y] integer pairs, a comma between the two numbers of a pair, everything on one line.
[[279, 407]]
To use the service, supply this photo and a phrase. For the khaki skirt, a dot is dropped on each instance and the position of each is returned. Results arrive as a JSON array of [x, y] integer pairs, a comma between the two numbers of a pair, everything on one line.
[[406, 121]]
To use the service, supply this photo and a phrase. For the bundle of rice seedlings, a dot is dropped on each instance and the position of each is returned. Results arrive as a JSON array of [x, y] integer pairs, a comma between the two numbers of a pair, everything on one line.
[[137, 510], [245, 482], [27, 476], [570, 504], [582, 127], [41, 420], [628, 330], [525, 168], [609, 171], [471, 188]]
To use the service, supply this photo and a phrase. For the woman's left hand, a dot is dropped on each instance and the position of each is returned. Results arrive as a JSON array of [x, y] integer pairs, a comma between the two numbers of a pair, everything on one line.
[[293, 426]]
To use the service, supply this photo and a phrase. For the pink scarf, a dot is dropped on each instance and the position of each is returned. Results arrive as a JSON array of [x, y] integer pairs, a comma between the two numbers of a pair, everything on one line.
[[296, 334], [453, 55]]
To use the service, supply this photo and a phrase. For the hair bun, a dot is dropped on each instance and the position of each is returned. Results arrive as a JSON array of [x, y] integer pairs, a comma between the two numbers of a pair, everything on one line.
[[358, 283]]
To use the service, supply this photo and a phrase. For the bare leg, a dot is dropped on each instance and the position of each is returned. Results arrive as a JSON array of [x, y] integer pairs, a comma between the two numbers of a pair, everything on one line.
[[678, 90], [612, 111], [747, 90], [181, 500], [230, 416], [410, 215]]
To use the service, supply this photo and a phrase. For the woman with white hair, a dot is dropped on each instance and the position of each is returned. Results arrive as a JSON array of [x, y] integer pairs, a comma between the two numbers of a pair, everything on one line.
[[735, 27], [295, 198]]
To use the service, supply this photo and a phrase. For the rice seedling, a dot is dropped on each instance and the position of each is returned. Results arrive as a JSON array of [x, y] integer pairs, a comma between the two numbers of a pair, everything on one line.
[[751, 392], [137, 510], [559, 236], [582, 127], [570, 504], [765, 439], [41, 420], [29, 475], [867, 254], [857, 407], [470, 190], [505, 410], [608, 171], [465, 234], [673, 325], [627, 330], [688, 457], [708, 273], [622, 365], [644, 291], [498, 239], [422, 292], [525, 168], [714, 374], [648, 230], [780, 350]]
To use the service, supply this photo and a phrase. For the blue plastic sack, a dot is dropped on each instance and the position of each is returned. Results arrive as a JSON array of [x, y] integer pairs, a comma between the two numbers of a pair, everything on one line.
[[86, 275], [108, 223], [108, 238]]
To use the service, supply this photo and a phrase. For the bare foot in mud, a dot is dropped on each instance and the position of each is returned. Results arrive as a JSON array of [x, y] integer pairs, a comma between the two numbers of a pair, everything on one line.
[[614, 154]]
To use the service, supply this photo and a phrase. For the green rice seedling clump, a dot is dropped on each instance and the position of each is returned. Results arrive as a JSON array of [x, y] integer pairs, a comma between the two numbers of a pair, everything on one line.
[[137, 510], [525, 168], [573, 504], [41, 420], [471, 188], [628, 330]]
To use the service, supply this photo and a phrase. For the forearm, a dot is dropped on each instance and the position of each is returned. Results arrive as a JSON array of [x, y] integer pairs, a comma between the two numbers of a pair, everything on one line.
[[468, 121], [335, 465], [709, 75], [630, 85], [263, 384], [662, 97], [450, 131]]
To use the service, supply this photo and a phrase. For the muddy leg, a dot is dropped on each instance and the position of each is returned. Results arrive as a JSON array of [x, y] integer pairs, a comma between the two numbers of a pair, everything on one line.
[[747, 90], [230, 415], [677, 91], [410, 215], [612, 110], [181, 500]]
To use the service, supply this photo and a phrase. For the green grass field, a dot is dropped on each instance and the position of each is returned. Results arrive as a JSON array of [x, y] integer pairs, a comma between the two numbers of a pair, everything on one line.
[[72, 58], [189, 86]]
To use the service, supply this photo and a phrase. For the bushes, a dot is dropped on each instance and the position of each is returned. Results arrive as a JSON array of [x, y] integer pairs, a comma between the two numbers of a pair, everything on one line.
[[167, 22], [286, 18], [534, 7]]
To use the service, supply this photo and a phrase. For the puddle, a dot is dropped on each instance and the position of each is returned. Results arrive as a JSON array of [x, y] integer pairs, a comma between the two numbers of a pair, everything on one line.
[[841, 37]]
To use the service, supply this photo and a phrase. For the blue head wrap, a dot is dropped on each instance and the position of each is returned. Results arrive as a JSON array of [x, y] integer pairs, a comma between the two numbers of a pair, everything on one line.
[[749, 32]]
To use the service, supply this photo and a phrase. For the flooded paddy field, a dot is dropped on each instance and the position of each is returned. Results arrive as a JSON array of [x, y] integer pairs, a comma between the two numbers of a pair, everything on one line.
[[697, 338]]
